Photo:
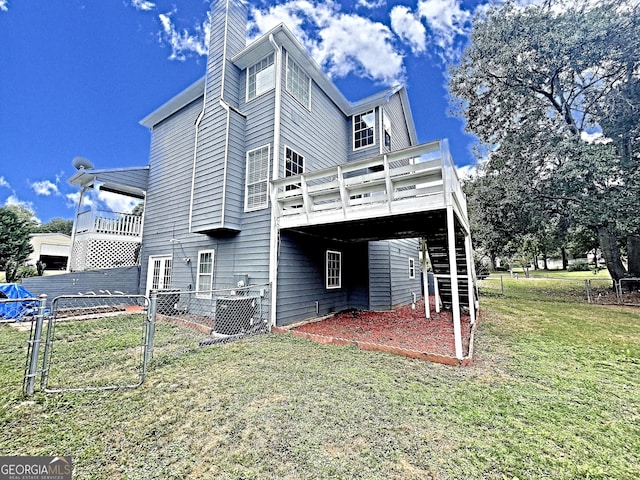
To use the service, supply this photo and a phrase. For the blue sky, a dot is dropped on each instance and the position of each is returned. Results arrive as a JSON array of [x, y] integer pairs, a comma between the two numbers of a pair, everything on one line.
[[77, 76]]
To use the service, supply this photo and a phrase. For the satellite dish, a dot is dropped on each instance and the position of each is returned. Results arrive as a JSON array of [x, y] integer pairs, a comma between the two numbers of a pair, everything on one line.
[[81, 163]]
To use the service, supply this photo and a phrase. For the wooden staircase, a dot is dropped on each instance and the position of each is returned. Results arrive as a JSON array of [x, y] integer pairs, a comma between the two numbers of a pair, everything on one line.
[[438, 249]]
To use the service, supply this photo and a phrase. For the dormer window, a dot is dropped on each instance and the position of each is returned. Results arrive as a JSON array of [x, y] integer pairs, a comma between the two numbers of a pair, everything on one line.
[[260, 77], [364, 129]]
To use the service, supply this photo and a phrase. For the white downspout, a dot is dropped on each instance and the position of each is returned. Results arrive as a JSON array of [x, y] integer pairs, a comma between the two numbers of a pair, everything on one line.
[[75, 227], [273, 239], [195, 148]]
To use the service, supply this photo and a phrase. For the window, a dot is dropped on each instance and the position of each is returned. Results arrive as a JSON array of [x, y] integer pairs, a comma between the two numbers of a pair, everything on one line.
[[412, 268], [293, 165], [334, 269], [298, 83], [260, 77], [363, 129], [204, 282], [257, 179], [386, 128]]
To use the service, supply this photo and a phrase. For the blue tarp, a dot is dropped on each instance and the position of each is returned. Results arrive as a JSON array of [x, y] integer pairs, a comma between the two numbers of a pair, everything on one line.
[[16, 310]]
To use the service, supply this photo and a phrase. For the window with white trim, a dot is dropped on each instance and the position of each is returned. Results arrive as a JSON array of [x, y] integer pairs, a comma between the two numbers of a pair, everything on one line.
[[386, 129], [293, 165], [257, 179], [260, 77], [412, 268], [204, 282], [364, 129], [298, 83], [334, 269]]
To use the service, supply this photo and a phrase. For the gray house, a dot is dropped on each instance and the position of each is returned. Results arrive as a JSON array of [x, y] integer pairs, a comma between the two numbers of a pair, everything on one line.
[[263, 171]]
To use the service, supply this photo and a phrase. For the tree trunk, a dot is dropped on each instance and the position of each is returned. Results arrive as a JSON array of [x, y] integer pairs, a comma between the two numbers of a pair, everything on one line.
[[565, 260], [611, 252], [633, 253]]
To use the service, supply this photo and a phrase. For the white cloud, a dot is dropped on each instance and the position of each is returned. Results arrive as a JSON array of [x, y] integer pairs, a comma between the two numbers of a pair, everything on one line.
[[341, 43], [467, 171], [594, 137], [446, 20], [143, 5], [4, 183], [13, 200], [117, 203], [4, 5], [371, 3], [45, 188], [183, 42], [408, 28]]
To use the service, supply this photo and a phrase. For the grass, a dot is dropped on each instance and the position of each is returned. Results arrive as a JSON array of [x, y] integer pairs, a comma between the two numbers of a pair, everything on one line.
[[554, 393]]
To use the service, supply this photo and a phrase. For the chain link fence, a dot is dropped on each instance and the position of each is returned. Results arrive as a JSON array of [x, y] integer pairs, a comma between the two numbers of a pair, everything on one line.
[[602, 291], [107, 342], [209, 318], [93, 342]]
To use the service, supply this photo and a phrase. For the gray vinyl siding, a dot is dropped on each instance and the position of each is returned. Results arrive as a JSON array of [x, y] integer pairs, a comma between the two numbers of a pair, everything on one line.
[[100, 282], [379, 276], [320, 135], [399, 132], [402, 286], [167, 211], [302, 282], [389, 282], [212, 209]]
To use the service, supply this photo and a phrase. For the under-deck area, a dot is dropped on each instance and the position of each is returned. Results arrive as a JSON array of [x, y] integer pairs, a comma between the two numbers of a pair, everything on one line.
[[410, 193]]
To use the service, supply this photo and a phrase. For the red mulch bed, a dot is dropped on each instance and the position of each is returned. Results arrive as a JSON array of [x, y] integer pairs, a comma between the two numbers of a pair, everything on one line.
[[404, 331]]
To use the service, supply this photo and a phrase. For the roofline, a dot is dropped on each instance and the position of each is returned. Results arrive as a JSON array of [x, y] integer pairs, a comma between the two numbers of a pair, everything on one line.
[[260, 48], [283, 37], [85, 177], [188, 95]]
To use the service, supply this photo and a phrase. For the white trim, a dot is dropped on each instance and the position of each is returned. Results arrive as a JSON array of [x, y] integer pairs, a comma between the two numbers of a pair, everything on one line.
[[153, 258], [353, 129], [266, 180], [412, 268], [284, 163], [326, 270], [273, 79], [207, 294], [286, 83]]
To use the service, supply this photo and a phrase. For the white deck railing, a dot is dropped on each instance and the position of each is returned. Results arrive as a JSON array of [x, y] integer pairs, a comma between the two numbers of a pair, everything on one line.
[[414, 179], [110, 223]]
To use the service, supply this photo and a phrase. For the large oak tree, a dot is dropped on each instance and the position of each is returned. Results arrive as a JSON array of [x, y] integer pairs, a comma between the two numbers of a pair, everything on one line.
[[536, 85]]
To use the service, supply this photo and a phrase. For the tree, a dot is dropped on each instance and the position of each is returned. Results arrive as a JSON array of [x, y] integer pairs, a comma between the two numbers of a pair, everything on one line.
[[56, 225], [534, 85], [14, 241]]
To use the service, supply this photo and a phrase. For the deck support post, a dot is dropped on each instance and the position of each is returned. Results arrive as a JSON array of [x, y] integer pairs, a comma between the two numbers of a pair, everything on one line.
[[425, 282], [453, 271], [470, 275]]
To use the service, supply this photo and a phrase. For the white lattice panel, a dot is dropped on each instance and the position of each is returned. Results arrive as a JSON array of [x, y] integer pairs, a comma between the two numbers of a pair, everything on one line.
[[99, 254]]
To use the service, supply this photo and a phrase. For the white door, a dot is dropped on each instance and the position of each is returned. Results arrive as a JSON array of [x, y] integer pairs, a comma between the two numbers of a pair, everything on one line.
[[159, 272]]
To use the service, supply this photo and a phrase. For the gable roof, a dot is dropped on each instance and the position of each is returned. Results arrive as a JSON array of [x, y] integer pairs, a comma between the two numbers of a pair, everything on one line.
[[261, 47]]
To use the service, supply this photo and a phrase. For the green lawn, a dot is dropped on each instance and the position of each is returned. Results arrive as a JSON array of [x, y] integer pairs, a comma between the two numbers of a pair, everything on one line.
[[554, 393]]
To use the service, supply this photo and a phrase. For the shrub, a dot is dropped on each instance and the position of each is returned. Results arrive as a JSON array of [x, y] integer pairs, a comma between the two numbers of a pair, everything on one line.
[[579, 266]]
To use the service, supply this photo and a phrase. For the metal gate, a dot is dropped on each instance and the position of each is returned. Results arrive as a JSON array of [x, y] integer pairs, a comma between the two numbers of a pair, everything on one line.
[[90, 342]]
